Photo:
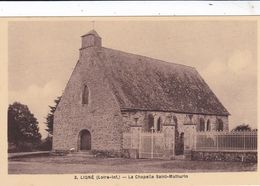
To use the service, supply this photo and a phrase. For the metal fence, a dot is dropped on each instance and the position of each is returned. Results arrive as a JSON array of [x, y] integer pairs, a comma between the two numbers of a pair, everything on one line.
[[149, 144], [226, 141]]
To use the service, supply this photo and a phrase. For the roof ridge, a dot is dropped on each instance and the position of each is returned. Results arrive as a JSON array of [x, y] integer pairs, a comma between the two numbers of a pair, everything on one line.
[[157, 60]]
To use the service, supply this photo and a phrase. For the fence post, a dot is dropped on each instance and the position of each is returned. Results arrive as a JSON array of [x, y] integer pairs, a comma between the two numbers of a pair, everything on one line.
[[152, 143], [217, 137], [244, 140], [189, 139], [169, 141], [131, 137], [195, 135], [139, 144], [135, 132]]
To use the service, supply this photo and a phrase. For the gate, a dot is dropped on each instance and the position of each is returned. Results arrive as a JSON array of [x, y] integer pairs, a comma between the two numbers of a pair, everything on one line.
[[151, 145]]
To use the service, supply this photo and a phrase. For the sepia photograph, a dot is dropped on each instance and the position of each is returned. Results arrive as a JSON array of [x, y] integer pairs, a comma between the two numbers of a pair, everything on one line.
[[132, 95]]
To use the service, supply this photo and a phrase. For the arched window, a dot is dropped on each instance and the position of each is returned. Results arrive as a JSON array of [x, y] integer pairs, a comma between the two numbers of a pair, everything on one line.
[[158, 128], [150, 122], [202, 125], [85, 95], [219, 125], [208, 125]]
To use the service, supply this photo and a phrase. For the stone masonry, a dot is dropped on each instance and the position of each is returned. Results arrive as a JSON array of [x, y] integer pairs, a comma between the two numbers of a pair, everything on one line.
[[101, 116], [106, 115]]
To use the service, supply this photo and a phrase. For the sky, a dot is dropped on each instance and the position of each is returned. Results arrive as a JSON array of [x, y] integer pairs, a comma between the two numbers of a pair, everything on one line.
[[42, 55]]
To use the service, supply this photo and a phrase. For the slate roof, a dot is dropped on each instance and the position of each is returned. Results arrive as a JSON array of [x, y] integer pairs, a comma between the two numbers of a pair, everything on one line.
[[143, 83]]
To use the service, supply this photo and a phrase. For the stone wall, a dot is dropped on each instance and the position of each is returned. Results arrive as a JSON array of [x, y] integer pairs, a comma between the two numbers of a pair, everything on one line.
[[129, 119], [101, 116]]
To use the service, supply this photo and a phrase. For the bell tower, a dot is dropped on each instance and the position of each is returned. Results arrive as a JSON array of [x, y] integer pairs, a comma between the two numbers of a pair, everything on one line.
[[91, 39]]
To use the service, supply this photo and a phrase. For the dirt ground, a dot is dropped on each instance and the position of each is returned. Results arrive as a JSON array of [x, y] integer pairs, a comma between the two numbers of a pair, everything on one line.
[[72, 165]]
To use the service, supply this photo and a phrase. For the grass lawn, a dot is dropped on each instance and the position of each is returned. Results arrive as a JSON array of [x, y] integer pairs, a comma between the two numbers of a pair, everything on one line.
[[72, 165]]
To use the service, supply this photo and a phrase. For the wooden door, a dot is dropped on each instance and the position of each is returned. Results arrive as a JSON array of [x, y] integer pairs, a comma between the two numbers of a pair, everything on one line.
[[85, 140]]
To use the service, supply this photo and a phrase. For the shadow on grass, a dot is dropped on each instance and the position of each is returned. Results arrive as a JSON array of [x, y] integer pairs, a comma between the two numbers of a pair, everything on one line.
[[132, 164]]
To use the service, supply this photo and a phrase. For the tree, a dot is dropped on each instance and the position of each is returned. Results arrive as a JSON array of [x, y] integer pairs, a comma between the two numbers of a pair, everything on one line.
[[242, 127], [50, 116], [22, 126], [47, 142]]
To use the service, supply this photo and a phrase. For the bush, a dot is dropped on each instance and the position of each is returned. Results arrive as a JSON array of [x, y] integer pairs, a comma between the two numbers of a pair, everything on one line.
[[125, 153], [12, 148], [21, 147], [226, 156], [25, 147], [106, 154], [46, 145]]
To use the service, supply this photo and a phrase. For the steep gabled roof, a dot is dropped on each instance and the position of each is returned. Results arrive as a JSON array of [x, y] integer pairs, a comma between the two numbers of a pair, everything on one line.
[[142, 83]]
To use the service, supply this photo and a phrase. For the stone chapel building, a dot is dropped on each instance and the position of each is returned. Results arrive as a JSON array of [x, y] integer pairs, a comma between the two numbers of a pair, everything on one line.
[[110, 91]]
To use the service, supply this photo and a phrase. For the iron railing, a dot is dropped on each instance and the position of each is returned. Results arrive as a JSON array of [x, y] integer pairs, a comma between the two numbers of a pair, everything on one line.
[[226, 141]]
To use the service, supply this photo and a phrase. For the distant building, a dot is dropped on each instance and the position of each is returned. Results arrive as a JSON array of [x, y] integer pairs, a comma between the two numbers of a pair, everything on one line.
[[109, 91]]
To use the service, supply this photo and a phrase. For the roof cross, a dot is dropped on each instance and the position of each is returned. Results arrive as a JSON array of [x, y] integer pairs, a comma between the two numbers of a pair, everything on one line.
[[93, 25]]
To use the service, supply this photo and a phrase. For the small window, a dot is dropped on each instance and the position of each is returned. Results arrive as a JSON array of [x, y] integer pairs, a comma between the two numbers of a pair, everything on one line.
[[208, 125], [159, 124], [85, 95], [202, 125], [150, 124], [175, 120]]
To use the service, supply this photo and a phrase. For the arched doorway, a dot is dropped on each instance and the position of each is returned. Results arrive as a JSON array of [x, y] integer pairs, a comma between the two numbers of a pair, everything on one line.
[[219, 125], [84, 140], [201, 126]]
